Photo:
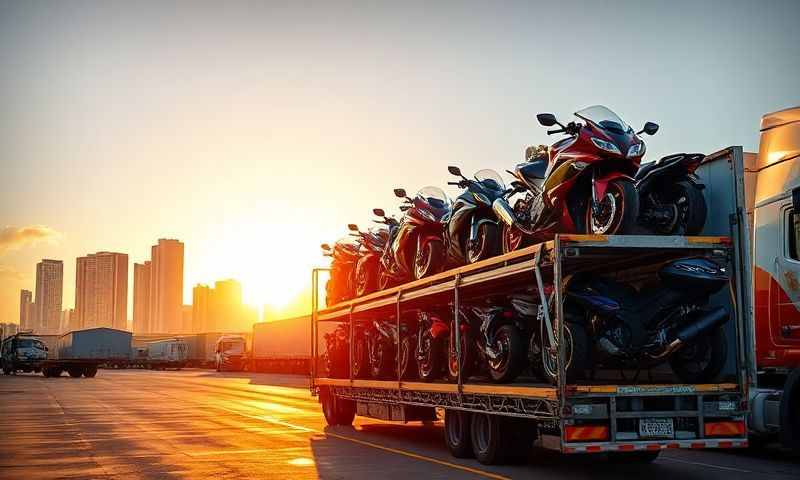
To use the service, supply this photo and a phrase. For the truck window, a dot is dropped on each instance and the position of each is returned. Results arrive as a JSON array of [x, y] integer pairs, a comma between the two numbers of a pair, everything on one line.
[[793, 233]]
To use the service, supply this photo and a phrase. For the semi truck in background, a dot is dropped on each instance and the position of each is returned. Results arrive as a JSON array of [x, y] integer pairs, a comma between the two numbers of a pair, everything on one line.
[[231, 353], [773, 196], [22, 351], [168, 353], [282, 346]]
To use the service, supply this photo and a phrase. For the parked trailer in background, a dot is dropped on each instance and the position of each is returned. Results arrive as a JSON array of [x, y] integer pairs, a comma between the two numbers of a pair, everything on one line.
[[80, 352], [170, 353], [282, 346]]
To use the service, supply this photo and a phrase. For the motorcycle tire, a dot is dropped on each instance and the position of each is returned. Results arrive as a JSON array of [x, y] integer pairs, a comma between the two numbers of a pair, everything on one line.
[[360, 359], [430, 260], [576, 353], [366, 278], [408, 361], [487, 244], [693, 214], [508, 368], [513, 239], [384, 280], [625, 198], [429, 366], [467, 358], [702, 360], [382, 363]]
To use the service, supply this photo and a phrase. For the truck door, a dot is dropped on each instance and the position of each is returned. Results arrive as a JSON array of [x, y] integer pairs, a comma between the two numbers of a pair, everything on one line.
[[786, 325]]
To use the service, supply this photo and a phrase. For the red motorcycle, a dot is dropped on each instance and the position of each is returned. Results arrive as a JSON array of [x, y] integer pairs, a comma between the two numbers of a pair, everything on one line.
[[581, 184]]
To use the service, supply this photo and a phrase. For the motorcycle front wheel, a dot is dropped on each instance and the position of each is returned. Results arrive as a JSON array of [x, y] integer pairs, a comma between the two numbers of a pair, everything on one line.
[[702, 360], [381, 360], [512, 239], [431, 358], [366, 281], [467, 357], [360, 358], [429, 259], [511, 361], [616, 212], [408, 362], [486, 245]]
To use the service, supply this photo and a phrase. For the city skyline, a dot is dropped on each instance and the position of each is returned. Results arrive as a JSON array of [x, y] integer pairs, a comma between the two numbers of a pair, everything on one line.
[[101, 290]]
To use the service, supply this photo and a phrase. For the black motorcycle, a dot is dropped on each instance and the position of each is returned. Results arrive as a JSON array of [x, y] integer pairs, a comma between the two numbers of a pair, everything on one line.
[[671, 198], [472, 232], [612, 324], [337, 358], [381, 346], [373, 243]]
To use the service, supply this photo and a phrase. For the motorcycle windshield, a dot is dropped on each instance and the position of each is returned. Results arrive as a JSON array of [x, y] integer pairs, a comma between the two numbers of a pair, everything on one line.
[[348, 244], [490, 179], [434, 197], [605, 119]]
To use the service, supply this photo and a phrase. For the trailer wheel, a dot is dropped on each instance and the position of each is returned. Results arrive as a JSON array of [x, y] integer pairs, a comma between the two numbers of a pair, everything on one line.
[[75, 372], [45, 372], [56, 372], [90, 372], [337, 410], [457, 433], [633, 457], [790, 412], [491, 438]]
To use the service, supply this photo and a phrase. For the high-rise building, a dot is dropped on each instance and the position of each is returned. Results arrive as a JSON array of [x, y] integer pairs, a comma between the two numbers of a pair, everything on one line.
[[49, 291], [101, 290], [200, 298], [69, 321], [166, 286], [186, 319], [141, 298], [8, 330], [26, 310]]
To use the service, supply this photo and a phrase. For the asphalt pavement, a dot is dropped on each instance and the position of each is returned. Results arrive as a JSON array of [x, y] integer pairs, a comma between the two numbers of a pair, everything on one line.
[[204, 424]]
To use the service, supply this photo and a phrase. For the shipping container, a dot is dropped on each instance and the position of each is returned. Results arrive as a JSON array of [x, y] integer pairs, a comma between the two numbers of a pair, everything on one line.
[[282, 346], [95, 343], [169, 353]]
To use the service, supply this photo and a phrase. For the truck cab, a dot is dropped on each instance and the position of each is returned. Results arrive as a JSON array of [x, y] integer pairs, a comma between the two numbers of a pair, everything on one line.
[[776, 275], [230, 353], [24, 352]]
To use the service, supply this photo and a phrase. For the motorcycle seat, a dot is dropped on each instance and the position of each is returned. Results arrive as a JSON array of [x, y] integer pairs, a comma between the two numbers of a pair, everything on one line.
[[664, 161]]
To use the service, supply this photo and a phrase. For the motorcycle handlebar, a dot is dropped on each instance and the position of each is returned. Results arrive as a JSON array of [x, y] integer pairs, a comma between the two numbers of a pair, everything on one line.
[[457, 184], [558, 130]]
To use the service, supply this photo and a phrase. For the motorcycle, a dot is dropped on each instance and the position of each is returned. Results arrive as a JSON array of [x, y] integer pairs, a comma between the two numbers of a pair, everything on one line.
[[374, 244], [671, 198], [344, 256], [337, 352], [668, 322], [472, 232], [416, 250], [381, 346], [495, 334], [581, 184], [432, 339]]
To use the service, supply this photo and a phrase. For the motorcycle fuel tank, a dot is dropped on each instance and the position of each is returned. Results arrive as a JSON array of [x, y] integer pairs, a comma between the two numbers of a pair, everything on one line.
[[694, 273]]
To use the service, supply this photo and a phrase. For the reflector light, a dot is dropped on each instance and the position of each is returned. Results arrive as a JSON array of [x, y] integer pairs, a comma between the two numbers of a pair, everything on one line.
[[724, 429], [585, 433]]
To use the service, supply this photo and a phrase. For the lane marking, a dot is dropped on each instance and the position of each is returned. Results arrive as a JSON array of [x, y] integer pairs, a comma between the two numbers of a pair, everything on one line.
[[415, 456], [709, 465]]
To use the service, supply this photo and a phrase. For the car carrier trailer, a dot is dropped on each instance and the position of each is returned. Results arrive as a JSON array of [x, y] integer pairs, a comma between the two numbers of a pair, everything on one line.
[[627, 416]]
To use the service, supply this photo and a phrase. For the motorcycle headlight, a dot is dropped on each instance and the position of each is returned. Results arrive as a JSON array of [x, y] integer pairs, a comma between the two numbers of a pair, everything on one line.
[[427, 215], [481, 198], [636, 150], [607, 146]]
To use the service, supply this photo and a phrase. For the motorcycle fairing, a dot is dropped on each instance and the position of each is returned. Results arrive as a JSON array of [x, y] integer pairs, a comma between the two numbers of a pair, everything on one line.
[[677, 164]]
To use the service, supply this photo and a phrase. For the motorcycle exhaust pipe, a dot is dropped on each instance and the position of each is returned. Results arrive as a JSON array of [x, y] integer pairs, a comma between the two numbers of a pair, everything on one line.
[[705, 324], [506, 215]]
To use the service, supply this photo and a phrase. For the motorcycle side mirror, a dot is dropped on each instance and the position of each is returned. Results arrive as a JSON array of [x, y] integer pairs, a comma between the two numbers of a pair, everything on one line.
[[325, 247], [649, 128], [400, 193], [455, 171], [546, 119], [403, 208], [378, 212], [352, 227]]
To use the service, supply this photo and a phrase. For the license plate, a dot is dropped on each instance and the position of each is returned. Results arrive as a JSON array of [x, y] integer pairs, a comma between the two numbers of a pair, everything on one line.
[[656, 428]]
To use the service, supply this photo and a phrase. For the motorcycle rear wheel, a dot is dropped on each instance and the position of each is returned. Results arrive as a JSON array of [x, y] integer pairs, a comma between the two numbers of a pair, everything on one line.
[[360, 359], [619, 209], [467, 358], [690, 207], [702, 360], [510, 365], [381, 362], [408, 362], [366, 281], [429, 366]]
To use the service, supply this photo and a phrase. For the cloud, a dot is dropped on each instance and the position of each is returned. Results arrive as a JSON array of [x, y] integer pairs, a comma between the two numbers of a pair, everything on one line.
[[14, 238]]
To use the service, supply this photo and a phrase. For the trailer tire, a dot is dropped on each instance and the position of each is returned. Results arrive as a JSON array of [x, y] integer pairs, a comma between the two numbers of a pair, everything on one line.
[[457, 433], [491, 438], [790, 412], [56, 372], [337, 411], [75, 372], [45, 372], [634, 457], [90, 372]]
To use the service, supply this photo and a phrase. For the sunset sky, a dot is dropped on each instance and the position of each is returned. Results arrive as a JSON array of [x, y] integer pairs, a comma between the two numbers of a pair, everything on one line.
[[254, 131]]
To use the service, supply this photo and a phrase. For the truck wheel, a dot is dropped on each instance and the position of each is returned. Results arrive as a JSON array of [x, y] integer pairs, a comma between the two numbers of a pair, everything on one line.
[[337, 410], [491, 438], [90, 372], [790, 412], [55, 372], [45, 372], [75, 372], [457, 433], [633, 457]]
